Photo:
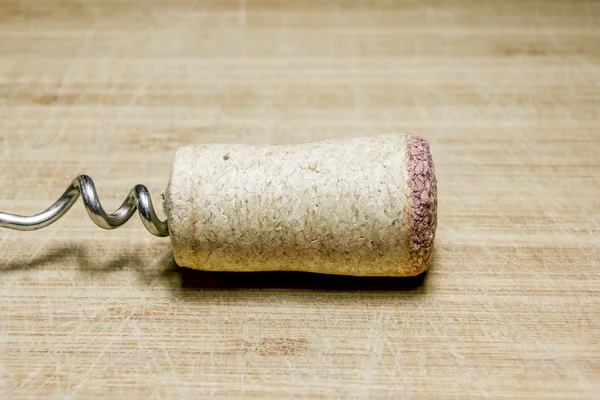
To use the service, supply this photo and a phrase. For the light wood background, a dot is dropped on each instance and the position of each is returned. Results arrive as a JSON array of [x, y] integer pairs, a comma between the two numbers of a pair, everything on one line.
[[507, 93]]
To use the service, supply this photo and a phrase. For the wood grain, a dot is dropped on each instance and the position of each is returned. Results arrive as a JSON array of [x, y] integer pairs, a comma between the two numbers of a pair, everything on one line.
[[505, 91]]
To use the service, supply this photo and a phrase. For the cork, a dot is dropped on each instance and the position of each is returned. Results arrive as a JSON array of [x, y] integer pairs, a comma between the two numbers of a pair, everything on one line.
[[357, 206]]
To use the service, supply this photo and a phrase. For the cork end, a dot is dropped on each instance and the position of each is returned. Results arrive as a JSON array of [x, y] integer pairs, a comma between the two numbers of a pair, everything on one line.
[[422, 202]]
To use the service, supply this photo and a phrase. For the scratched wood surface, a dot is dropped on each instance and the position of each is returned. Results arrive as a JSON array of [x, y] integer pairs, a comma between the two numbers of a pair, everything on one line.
[[507, 93]]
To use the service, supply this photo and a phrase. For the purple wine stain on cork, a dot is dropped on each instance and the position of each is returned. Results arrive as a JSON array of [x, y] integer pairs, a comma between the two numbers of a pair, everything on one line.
[[422, 202]]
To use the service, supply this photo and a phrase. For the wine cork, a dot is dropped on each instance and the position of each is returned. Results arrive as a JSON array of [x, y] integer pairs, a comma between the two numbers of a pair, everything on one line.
[[358, 206]]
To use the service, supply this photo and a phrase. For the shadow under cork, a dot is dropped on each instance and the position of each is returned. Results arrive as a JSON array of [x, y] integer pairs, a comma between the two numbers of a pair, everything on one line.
[[191, 279], [163, 268], [207, 280]]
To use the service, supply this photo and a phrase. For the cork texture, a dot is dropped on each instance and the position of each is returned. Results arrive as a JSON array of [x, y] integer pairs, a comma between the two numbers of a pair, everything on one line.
[[356, 206]]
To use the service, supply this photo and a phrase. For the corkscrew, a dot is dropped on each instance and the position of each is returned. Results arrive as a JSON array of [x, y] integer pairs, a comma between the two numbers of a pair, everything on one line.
[[138, 198], [356, 206]]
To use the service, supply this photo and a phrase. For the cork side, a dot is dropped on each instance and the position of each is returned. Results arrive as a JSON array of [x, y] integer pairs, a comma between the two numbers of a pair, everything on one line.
[[422, 202], [335, 207]]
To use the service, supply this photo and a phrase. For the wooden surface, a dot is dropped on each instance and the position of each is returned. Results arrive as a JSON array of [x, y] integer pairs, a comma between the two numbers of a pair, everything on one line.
[[507, 93]]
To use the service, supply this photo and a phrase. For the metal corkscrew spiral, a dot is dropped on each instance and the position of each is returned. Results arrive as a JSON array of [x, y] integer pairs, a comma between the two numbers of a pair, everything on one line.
[[138, 198]]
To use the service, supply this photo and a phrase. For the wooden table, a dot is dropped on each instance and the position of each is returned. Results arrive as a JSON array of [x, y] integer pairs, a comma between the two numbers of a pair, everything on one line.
[[507, 93]]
